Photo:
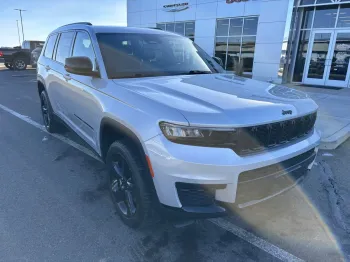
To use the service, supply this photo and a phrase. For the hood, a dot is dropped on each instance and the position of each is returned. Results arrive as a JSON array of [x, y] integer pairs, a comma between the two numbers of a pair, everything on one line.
[[222, 99]]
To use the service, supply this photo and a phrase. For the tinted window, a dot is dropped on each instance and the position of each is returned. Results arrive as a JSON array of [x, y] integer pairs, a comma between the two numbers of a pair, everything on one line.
[[250, 26], [307, 19], [50, 46], [170, 27], [222, 27], [83, 47], [64, 45], [138, 55], [325, 17], [180, 28], [161, 26], [236, 26], [344, 16], [189, 29]]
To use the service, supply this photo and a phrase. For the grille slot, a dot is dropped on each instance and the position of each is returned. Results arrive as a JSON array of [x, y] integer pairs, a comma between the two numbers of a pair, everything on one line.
[[254, 139]]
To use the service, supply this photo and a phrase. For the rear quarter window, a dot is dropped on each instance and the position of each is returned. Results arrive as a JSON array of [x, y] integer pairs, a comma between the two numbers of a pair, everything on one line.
[[50, 46]]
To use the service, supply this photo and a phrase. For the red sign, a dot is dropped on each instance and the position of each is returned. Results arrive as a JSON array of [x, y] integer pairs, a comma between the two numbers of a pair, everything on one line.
[[235, 1]]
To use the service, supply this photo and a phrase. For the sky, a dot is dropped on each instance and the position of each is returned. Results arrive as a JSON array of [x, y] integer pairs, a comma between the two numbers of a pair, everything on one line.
[[44, 16]]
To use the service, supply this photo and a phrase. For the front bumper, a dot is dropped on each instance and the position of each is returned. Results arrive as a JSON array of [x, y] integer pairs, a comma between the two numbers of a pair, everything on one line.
[[243, 180]]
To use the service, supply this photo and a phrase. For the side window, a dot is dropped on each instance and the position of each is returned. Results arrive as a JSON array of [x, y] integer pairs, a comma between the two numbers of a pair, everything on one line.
[[50, 46], [83, 47], [64, 45]]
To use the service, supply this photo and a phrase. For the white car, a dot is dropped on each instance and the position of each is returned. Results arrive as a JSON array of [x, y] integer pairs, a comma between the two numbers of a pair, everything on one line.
[[178, 134]]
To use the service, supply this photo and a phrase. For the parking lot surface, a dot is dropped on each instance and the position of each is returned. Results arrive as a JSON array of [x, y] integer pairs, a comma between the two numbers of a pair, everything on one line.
[[54, 204]]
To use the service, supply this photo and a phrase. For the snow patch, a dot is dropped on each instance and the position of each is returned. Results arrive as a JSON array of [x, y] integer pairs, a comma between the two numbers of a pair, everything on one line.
[[45, 139]]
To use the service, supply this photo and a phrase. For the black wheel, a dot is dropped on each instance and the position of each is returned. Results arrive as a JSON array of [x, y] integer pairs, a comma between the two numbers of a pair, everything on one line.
[[50, 123], [9, 66], [19, 63], [130, 194]]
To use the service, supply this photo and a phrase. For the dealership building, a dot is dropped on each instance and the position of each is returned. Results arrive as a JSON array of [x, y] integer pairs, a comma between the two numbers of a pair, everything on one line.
[[301, 41]]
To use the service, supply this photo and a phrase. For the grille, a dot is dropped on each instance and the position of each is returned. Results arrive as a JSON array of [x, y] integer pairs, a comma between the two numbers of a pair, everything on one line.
[[197, 195], [249, 140]]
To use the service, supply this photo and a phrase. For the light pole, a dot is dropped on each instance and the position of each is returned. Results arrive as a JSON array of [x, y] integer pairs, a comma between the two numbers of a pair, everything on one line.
[[20, 13], [19, 37]]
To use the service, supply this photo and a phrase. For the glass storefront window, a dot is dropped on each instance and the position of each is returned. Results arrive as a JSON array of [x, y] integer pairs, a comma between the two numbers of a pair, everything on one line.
[[307, 19], [235, 41], [307, 2], [325, 17], [301, 55], [161, 26], [189, 29], [170, 27], [233, 52], [221, 48], [236, 27], [344, 16], [183, 28], [222, 27], [247, 52], [180, 28], [250, 26]]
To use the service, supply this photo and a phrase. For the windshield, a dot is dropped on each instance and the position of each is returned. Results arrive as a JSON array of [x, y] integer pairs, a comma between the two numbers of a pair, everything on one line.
[[137, 55]]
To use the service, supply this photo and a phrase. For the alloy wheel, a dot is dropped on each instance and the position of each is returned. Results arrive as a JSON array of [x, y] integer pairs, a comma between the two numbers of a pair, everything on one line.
[[45, 111], [122, 187], [20, 64]]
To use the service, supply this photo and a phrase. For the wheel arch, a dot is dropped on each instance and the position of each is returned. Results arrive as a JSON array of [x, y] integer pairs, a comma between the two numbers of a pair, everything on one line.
[[41, 87], [111, 131]]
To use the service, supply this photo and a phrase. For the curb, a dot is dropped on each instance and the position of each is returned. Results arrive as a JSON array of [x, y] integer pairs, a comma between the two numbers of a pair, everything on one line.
[[335, 140]]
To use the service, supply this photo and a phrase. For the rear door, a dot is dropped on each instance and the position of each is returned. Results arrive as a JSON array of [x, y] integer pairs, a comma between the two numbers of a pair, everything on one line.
[[44, 68], [59, 84]]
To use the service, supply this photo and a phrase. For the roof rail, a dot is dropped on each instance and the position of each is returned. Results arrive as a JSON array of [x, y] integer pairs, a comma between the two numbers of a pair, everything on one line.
[[79, 23]]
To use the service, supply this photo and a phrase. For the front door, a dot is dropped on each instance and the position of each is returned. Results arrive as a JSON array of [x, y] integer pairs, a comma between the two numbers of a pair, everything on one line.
[[327, 61]]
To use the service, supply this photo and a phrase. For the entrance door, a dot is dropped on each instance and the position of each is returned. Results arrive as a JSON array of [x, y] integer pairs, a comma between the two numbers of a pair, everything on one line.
[[318, 59], [338, 72], [327, 61]]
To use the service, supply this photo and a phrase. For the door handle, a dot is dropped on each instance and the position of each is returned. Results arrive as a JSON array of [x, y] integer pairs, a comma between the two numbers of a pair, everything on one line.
[[47, 68], [67, 77]]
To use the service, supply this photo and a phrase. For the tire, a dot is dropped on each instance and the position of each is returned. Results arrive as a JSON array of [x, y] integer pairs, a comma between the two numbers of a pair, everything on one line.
[[19, 63], [9, 66], [50, 122], [126, 173]]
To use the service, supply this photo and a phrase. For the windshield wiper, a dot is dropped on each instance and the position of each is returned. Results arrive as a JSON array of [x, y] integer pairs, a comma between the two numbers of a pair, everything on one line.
[[196, 72], [135, 75]]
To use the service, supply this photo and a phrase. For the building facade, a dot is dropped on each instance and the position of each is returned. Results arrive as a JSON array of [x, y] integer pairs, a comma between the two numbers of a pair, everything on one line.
[[304, 41]]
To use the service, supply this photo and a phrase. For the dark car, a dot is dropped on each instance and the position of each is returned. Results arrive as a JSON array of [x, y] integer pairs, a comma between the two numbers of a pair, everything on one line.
[[19, 57], [35, 56]]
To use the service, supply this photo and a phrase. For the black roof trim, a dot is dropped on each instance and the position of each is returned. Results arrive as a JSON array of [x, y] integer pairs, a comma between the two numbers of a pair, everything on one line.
[[79, 23]]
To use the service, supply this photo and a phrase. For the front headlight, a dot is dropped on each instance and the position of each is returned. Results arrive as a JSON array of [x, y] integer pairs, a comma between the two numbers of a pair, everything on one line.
[[198, 136]]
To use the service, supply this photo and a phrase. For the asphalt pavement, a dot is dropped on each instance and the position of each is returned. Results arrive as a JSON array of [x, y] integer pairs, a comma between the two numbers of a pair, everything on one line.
[[54, 204]]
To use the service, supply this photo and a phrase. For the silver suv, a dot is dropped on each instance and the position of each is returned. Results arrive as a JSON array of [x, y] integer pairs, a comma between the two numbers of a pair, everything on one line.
[[178, 134]]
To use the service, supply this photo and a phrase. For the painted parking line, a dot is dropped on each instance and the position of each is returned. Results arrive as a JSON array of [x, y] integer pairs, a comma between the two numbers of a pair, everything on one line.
[[256, 241], [42, 128], [222, 223]]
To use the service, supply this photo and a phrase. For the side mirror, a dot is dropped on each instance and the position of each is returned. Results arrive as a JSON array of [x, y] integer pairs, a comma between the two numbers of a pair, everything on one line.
[[80, 65], [218, 60]]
